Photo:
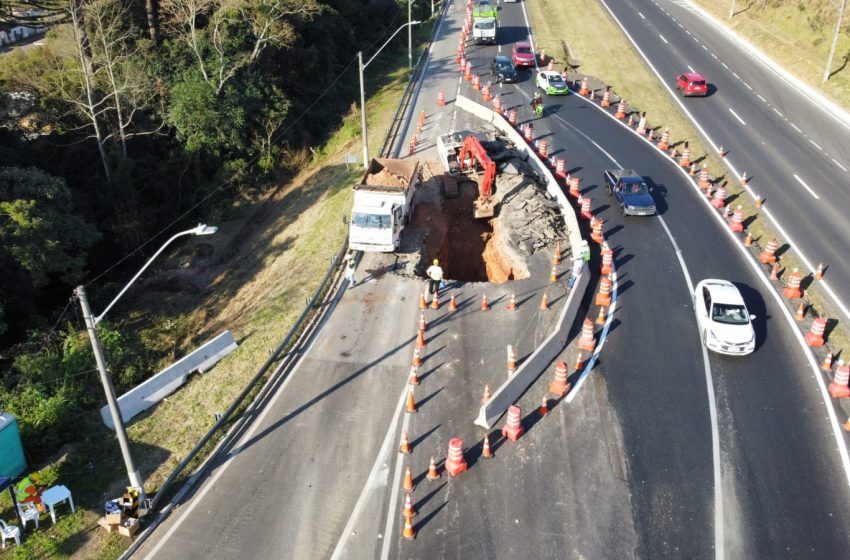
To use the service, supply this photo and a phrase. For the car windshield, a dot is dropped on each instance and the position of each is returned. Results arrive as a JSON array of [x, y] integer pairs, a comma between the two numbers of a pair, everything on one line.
[[635, 188], [503, 65], [376, 221], [729, 314], [523, 50], [485, 25], [698, 83], [484, 3], [555, 79]]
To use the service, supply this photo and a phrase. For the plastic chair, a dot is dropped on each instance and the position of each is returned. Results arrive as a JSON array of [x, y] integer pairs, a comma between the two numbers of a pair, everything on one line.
[[29, 512], [9, 532]]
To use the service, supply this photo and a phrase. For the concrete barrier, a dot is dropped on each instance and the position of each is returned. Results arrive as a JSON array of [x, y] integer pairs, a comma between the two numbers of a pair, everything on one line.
[[147, 394], [530, 370]]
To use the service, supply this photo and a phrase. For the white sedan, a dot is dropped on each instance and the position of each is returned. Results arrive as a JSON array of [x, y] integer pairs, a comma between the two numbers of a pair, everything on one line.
[[724, 323]]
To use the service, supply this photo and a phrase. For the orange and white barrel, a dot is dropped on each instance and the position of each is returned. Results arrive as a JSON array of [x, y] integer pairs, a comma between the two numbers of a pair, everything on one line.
[[513, 425], [586, 340], [815, 335], [838, 388], [792, 289], [455, 463], [603, 297], [737, 223], [559, 385], [719, 200], [768, 256]]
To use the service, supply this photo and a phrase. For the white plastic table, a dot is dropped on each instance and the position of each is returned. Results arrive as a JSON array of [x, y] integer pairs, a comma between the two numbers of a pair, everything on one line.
[[56, 495]]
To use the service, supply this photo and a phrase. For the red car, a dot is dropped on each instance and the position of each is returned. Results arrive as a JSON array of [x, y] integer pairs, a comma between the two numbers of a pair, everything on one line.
[[691, 83], [522, 55]]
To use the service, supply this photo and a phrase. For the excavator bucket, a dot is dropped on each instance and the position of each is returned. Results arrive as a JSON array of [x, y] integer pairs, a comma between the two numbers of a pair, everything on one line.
[[484, 207]]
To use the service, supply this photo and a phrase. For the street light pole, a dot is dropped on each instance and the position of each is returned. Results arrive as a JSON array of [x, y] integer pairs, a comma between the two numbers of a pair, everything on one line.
[[361, 67], [834, 41], [409, 34], [99, 358], [133, 473]]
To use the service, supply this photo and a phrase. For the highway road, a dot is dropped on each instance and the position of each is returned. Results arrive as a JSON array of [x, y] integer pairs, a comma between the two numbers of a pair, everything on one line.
[[665, 452], [796, 151]]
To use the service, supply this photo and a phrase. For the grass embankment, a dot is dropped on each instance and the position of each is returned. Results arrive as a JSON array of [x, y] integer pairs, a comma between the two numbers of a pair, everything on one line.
[[558, 26], [797, 35], [267, 258]]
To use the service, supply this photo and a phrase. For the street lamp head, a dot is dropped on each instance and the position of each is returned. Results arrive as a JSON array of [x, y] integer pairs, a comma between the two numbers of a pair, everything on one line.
[[415, 22], [204, 229]]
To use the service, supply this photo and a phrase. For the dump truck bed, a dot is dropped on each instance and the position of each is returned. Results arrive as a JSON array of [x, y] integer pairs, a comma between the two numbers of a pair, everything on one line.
[[389, 175]]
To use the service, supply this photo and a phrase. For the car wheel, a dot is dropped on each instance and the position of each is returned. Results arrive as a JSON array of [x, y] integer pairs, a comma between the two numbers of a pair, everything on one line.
[[623, 210], [608, 190]]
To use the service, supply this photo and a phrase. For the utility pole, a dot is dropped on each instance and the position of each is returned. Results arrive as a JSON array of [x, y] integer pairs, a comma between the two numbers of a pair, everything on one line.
[[834, 41], [409, 34], [132, 473], [363, 112]]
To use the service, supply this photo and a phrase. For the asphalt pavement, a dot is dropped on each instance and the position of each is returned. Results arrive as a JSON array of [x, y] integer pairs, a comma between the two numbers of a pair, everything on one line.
[[795, 152]]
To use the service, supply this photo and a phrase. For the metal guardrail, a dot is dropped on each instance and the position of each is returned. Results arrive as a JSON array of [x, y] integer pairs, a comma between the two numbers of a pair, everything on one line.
[[395, 124]]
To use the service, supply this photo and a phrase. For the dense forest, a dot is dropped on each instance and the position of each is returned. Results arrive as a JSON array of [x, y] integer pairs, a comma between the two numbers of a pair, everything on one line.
[[134, 115]]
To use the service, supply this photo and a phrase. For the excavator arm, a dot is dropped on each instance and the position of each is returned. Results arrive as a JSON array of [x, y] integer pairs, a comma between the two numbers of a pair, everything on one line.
[[472, 148]]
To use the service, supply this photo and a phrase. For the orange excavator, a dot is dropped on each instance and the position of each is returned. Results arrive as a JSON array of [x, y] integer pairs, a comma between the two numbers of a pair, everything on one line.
[[472, 148]]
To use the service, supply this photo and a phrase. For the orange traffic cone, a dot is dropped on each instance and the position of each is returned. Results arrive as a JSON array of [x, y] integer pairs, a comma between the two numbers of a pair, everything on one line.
[[511, 306], [408, 507], [511, 359], [422, 324], [579, 362], [544, 303], [408, 480], [544, 406], [748, 240], [600, 319], [801, 312], [759, 201], [553, 276], [422, 303], [433, 473], [435, 301], [819, 272], [557, 257], [420, 339], [486, 394], [484, 305], [404, 447], [414, 376], [486, 451], [827, 363], [846, 425], [417, 359], [453, 303], [411, 404], [720, 151], [408, 533]]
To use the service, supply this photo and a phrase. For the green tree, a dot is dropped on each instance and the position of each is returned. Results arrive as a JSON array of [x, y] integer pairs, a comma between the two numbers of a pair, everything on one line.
[[39, 228]]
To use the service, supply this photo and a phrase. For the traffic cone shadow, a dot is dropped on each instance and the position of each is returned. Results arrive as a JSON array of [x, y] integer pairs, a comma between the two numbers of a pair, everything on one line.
[[807, 281], [430, 355], [782, 249], [415, 443], [423, 520], [748, 221], [531, 295], [472, 300], [496, 440], [423, 376], [427, 497], [422, 402], [598, 212]]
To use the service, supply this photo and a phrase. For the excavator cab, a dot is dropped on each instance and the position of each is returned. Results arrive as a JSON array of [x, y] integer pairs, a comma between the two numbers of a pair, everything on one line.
[[473, 151]]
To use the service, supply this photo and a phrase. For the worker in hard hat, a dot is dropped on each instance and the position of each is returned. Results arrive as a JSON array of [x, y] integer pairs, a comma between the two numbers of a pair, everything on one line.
[[435, 276], [29, 489]]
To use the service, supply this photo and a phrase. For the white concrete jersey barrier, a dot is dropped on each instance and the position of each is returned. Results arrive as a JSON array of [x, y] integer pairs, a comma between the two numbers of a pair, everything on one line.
[[147, 394], [530, 370]]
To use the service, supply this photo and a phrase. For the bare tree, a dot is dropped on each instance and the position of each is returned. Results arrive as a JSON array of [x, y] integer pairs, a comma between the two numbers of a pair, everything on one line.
[[215, 46]]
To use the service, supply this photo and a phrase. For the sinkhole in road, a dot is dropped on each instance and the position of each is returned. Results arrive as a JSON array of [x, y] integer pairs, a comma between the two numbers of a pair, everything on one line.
[[469, 249]]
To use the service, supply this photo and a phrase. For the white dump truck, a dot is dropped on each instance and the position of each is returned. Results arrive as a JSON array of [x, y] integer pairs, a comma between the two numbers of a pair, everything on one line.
[[383, 204]]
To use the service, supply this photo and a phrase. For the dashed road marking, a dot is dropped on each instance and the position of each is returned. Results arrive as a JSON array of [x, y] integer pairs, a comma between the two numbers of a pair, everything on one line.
[[762, 98], [663, 39], [690, 68], [775, 110], [815, 144], [641, 15], [795, 127], [734, 114], [835, 161], [748, 86], [807, 187]]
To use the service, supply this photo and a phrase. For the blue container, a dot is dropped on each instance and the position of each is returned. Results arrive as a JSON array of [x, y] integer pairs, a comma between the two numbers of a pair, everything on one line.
[[12, 462]]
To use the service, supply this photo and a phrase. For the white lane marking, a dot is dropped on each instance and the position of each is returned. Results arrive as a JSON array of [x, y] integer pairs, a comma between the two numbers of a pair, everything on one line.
[[641, 15], [749, 87], [690, 68], [762, 98], [835, 161], [737, 77], [807, 187], [712, 410], [734, 114], [841, 444], [500, 48], [388, 529], [688, 32], [704, 47], [715, 432], [815, 144], [775, 110], [795, 127], [663, 39]]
